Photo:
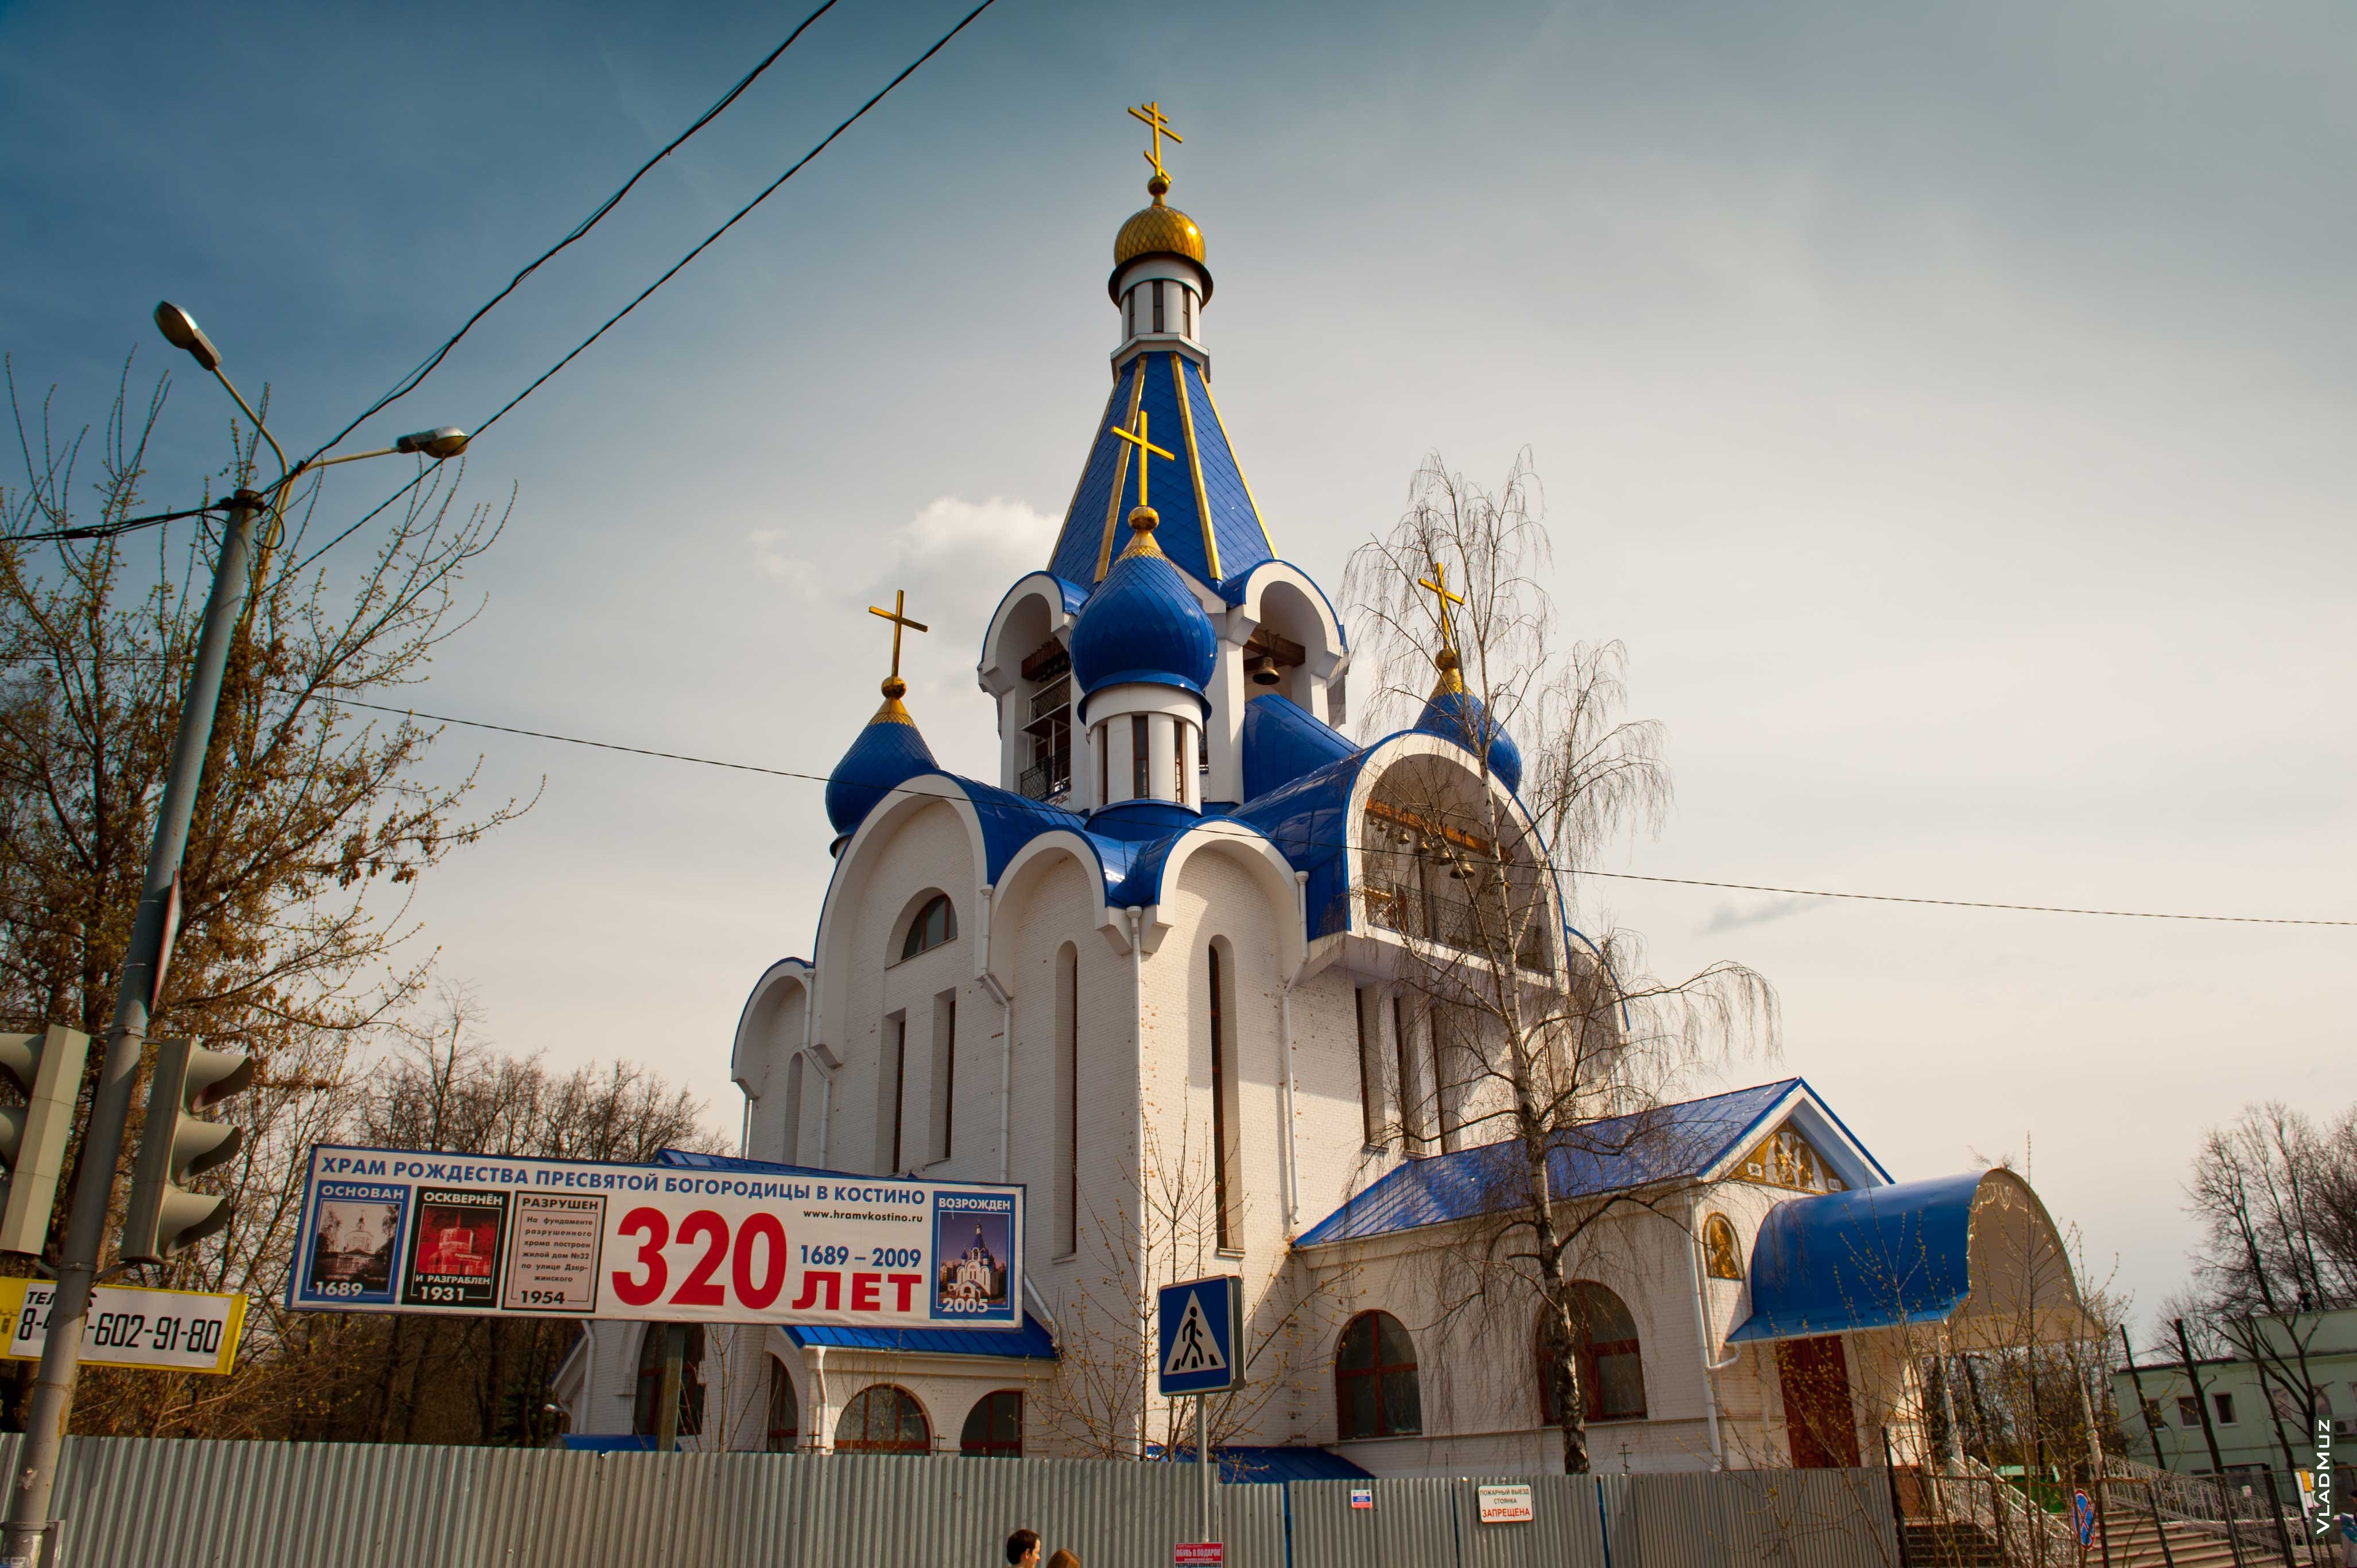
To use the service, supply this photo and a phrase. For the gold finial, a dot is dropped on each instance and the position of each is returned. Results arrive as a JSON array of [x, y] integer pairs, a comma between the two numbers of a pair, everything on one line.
[[1147, 452], [893, 687], [1445, 660], [1150, 116]]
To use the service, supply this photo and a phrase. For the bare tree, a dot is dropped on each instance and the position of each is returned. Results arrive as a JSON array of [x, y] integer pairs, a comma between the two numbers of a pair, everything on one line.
[[437, 1084], [1530, 1030], [2273, 1192], [312, 824], [1100, 1401]]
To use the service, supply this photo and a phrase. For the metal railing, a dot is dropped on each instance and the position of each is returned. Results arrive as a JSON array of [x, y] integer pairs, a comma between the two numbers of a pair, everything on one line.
[[1458, 923], [2257, 1512], [2144, 1516], [1046, 780]]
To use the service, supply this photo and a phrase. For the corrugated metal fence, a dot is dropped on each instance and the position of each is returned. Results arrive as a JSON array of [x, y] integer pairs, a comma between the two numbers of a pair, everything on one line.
[[1742, 1519], [131, 1503]]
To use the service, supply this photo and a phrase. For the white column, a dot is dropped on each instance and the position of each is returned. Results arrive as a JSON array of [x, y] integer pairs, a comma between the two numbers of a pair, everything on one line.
[[1161, 757], [1013, 745], [1123, 776]]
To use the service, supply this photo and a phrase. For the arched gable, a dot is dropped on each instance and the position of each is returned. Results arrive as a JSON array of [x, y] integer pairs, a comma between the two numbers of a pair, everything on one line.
[[1040, 606], [782, 996], [1423, 752], [1033, 861], [1271, 873], [860, 881]]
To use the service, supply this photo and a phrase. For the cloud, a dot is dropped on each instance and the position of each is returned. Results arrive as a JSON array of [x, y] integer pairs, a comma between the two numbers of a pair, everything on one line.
[[1735, 916], [956, 557], [771, 562]]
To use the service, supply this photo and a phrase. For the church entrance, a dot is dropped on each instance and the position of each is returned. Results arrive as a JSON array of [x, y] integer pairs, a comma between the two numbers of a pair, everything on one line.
[[1818, 1415]]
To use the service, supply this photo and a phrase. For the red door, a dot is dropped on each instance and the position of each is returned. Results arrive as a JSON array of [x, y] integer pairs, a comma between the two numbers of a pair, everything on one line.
[[1817, 1412]]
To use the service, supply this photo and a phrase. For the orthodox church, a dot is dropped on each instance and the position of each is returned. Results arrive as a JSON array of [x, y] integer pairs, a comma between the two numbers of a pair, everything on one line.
[[1139, 972]]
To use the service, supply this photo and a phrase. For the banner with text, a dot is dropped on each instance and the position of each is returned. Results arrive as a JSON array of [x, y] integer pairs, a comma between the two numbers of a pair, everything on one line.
[[395, 1231]]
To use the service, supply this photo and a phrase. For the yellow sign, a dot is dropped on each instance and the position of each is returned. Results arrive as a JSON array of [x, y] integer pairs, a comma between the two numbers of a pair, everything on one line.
[[128, 1325]]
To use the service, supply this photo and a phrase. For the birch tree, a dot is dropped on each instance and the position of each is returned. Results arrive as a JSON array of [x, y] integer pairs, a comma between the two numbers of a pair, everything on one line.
[[1533, 1016]]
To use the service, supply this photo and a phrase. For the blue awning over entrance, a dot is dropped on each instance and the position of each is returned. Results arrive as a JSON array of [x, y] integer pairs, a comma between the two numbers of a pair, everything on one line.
[[1975, 1251]]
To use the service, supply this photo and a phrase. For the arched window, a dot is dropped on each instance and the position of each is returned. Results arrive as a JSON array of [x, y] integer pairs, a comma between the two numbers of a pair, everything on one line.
[[1375, 1392], [645, 1409], [884, 1420], [794, 1117], [785, 1422], [1068, 1099], [1611, 1371], [1226, 1178], [993, 1428], [1722, 1254], [935, 923]]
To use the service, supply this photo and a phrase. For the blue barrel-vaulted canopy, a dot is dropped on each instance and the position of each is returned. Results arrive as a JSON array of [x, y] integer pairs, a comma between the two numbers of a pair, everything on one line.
[[1975, 1252]]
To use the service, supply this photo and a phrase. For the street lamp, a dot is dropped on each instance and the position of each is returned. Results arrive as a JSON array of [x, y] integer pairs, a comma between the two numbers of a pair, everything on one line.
[[144, 963]]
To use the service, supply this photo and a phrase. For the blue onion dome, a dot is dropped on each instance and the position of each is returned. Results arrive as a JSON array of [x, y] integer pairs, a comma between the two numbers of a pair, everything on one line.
[[1454, 713], [887, 754], [1143, 623]]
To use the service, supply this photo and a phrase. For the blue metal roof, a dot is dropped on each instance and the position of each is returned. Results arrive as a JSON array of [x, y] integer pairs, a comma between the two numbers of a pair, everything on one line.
[[1615, 1153], [1143, 623], [1288, 1464], [1307, 820], [1870, 1258], [1193, 431], [1033, 1344], [1459, 717], [1283, 741], [696, 1159], [886, 755], [1247, 1462]]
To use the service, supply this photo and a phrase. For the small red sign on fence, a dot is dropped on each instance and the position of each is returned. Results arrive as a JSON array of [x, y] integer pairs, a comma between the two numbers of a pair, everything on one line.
[[1198, 1554]]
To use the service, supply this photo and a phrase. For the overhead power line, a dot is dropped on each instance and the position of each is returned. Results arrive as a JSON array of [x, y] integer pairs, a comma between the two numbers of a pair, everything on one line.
[[410, 381], [1569, 871], [765, 192], [110, 530], [676, 267]]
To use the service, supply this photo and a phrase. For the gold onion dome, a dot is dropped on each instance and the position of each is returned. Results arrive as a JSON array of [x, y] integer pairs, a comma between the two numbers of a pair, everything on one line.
[[1158, 230]]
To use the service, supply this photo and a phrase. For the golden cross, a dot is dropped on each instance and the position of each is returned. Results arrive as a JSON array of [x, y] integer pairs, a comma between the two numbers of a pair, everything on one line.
[[1438, 584], [897, 616], [1147, 452], [1150, 115]]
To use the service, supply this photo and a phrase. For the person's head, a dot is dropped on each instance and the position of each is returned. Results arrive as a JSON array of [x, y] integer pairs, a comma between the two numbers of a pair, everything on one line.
[[1063, 1559], [1023, 1549]]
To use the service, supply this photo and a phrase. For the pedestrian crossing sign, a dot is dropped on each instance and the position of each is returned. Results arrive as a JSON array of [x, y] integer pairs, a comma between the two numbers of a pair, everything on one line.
[[1199, 1321]]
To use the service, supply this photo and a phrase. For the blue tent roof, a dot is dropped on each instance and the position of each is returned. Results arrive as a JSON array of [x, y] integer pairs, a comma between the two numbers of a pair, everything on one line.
[[1170, 388], [1615, 1153], [1872, 1258]]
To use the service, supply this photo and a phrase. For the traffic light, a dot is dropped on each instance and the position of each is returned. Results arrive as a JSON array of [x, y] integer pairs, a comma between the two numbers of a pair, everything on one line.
[[166, 1218], [47, 1069]]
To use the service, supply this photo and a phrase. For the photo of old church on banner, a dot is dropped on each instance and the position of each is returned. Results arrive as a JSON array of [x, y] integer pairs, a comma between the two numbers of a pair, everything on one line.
[[396, 1231]]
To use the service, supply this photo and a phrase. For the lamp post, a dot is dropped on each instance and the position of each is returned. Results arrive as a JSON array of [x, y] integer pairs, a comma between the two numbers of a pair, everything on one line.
[[143, 962]]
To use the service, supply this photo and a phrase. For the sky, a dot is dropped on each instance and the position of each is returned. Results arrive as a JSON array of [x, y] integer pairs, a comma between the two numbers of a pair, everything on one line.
[[1948, 408]]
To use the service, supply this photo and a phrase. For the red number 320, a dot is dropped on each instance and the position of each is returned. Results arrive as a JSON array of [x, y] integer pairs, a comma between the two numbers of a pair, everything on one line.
[[756, 1278]]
